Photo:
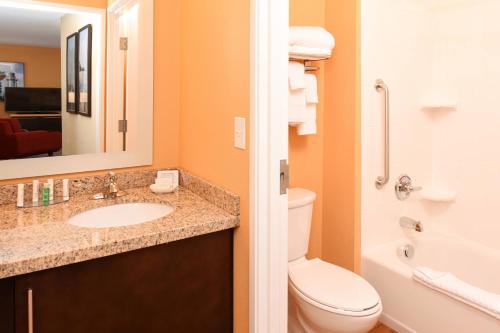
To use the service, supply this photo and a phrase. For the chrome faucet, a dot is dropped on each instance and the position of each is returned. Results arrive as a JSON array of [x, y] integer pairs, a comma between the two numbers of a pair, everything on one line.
[[111, 190], [409, 223]]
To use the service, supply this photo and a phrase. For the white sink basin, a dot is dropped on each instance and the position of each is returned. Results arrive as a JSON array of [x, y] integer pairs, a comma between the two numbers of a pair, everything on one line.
[[120, 215]]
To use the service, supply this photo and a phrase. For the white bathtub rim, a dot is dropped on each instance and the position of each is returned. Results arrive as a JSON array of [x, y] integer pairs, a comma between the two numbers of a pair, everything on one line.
[[414, 237], [388, 255]]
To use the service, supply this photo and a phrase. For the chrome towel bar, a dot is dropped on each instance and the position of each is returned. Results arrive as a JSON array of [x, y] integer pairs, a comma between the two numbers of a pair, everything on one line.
[[383, 180]]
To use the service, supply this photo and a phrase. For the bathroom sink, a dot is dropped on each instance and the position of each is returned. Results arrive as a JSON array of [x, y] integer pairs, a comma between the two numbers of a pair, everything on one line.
[[120, 215]]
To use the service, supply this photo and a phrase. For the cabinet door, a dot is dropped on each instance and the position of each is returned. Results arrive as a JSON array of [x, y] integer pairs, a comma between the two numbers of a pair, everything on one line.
[[184, 286], [7, 306]]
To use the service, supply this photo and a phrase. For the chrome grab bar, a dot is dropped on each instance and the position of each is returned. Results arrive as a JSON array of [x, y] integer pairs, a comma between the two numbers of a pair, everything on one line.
[[383, 180]]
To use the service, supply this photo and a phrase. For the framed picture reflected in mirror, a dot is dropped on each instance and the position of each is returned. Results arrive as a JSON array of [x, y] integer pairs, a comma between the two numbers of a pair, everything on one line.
[[11, 76], [71, 70], [84, 85]]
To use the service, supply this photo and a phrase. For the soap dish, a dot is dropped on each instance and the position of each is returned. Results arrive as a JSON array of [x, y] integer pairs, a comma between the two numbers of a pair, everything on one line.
[[438, 194], [161, 188]]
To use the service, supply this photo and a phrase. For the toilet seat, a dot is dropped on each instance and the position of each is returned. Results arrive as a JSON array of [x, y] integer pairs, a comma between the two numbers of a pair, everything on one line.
[[333, 288]]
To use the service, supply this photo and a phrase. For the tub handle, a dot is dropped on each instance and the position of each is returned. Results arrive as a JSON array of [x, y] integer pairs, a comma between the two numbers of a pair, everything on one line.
[[404, 187]]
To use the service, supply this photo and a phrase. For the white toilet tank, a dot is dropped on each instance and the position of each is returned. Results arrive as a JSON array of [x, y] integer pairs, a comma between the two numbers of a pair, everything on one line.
[[300, 209]]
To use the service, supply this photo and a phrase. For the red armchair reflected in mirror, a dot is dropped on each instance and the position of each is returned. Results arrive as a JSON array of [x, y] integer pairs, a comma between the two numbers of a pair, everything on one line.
[[18, 143]]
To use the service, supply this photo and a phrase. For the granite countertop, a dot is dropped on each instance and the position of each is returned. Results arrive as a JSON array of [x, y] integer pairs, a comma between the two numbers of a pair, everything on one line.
[[34, 239]]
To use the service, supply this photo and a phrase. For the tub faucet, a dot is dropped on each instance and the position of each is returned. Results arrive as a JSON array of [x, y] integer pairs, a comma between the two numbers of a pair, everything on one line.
[[409, 223]]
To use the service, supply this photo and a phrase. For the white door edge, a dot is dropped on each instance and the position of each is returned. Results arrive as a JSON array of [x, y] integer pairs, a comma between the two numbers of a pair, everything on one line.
[[269, 145]]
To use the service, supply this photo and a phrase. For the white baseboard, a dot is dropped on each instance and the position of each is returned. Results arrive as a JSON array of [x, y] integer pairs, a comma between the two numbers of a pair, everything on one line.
[[395, 324]]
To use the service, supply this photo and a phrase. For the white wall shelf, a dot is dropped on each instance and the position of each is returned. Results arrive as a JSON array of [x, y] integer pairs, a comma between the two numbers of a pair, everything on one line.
[[439, 105], [438, 194]]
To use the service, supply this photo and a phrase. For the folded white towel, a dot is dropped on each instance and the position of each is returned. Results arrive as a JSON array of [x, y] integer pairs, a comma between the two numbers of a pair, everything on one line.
[[308, 53], [311, 86], [296, 106], [314, 37], [296, 75], [308, 124], [452, 286], [308, 127]]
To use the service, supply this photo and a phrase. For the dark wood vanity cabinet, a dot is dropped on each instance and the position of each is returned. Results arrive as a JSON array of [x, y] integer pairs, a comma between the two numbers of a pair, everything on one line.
[[183, 286]]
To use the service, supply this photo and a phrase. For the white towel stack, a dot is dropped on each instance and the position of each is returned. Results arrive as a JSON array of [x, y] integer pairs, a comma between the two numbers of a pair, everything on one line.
[[452, 286], [310, 43], [302, 99], [296, 93], [308, 126]]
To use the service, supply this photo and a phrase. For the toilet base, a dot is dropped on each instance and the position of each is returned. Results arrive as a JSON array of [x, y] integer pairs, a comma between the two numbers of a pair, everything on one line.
[[294, 325]]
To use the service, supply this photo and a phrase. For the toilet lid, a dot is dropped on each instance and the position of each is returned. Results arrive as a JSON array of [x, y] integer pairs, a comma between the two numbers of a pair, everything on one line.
[[333, 286]]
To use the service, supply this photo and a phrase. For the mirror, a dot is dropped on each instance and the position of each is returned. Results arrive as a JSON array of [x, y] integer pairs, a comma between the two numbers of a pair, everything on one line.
[[59, 99]]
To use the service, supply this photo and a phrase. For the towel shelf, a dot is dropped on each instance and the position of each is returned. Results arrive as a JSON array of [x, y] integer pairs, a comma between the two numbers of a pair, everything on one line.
[[307, 66], [305, 57], [306, 60]]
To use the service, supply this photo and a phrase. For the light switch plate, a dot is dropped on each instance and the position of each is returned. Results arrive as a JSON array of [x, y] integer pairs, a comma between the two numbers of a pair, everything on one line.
[[240, 133]]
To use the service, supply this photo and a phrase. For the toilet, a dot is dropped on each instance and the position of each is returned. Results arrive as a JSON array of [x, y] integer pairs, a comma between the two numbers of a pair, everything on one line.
[[323, 298]]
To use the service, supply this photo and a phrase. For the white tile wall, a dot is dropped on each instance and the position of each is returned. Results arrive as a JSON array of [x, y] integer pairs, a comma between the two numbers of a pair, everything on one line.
[[448, 53]]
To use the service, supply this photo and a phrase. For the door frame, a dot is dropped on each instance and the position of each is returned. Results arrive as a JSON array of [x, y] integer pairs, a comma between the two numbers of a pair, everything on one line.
[[116, 77], [269, 145]]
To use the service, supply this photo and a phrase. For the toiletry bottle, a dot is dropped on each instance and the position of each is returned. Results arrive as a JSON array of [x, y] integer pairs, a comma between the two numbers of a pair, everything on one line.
[[65, 189], [51, 189], [36, 185], [20, 195], [46, 194]]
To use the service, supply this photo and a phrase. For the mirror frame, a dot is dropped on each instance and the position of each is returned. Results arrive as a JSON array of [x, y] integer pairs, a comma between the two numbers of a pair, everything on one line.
[[44, 166]]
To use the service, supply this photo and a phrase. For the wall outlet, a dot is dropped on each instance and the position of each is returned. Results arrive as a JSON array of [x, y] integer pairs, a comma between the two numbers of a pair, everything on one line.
[[239, 133]]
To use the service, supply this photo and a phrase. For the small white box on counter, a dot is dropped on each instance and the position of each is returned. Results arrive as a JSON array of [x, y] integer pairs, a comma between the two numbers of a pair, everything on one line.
[[172, 174]]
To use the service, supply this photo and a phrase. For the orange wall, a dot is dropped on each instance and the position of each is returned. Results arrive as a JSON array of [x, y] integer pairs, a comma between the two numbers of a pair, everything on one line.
[[342, 163], [42, 66], [329, 162], [167, 16], [215, 65], [306, 152]]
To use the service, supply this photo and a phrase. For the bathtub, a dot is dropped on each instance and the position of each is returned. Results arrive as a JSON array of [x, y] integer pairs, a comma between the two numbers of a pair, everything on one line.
[[412, 307]]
